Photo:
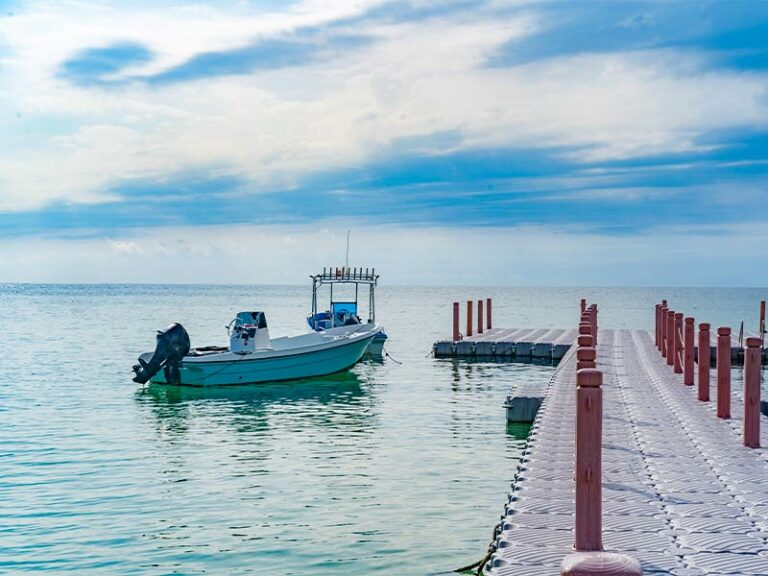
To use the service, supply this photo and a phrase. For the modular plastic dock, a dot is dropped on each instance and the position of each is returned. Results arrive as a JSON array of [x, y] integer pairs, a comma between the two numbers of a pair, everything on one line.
[[509, 344], [530, 343], [680, 492]]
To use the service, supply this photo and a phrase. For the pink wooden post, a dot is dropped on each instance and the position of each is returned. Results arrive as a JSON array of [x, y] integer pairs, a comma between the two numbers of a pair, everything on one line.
[[663, 328], [670, 323], [656, 337], [589, 559], [704, 361], [469, 317], [723, 372], [479, 316], [585, 358], [589, 434], [677, 364], [689, 338], [488, 312], [456, 335], [752, 363], [594, 323], [583, 305]]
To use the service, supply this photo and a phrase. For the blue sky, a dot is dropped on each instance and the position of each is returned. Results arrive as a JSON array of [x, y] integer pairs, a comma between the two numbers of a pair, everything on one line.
[[143, 132]]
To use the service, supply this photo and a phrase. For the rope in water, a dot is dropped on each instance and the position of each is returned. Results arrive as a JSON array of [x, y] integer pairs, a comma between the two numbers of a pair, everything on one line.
[[388, 355]]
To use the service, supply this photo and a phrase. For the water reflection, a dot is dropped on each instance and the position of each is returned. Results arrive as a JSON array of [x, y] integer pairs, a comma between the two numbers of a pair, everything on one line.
[[342, 399]]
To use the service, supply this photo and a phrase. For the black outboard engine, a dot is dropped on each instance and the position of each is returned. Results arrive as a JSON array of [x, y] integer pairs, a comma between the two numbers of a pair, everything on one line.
[[172, 346]]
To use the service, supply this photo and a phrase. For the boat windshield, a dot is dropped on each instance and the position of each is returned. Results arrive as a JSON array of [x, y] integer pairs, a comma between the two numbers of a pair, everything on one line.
[[344, 313]]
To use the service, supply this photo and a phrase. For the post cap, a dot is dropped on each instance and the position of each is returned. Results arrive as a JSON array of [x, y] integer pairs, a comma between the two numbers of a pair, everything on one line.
[[753, 342], [586, 353], [678, 315], [589, 378], [670, 313], [663, 302], [585, 340], [704, 326], [689, 321], [723, 331]]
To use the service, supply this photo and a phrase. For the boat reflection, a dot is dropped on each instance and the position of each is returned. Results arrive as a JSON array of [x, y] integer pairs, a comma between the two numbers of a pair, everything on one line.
[[341, 399]]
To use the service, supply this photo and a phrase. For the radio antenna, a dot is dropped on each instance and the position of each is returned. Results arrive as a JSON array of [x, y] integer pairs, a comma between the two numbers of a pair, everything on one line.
[[346, 261]]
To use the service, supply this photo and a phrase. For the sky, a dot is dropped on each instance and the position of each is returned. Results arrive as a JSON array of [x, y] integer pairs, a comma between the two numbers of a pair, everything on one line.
[[474, 143]]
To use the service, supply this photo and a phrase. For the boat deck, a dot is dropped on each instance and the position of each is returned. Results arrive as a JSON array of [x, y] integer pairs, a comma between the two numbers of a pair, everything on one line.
[[680, 492]]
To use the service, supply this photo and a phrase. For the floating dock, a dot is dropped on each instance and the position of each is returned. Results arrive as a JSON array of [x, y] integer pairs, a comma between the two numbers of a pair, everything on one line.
[[681, 493], [509, 344]]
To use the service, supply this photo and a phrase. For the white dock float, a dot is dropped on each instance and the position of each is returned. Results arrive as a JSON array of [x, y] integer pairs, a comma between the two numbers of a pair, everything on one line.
[[508, 344], [680, 492]]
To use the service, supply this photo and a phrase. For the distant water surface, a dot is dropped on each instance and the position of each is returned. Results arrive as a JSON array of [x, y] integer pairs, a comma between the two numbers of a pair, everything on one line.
[[386, 469]]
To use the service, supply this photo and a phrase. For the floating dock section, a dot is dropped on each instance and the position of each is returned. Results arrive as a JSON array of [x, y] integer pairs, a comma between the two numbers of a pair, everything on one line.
[[509, 344], [630, 468], [482, 341]]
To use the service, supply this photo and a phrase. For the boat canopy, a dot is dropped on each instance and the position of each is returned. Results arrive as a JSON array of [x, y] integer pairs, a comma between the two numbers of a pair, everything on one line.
[[341, 311], [346, 275]]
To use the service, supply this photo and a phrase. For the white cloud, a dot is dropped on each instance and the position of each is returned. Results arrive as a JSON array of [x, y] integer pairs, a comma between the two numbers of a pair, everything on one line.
[[532, 256], [277, 127]]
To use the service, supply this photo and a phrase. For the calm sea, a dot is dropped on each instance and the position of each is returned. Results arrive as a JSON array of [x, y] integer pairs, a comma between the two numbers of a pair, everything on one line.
[[388, 469]]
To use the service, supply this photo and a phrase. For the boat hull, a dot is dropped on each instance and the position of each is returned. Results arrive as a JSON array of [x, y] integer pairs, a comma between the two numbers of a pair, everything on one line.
[[376, 349], [256, 369]]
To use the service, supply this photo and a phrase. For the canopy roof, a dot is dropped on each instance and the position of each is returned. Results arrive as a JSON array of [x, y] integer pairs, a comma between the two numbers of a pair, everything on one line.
[[346, 275]]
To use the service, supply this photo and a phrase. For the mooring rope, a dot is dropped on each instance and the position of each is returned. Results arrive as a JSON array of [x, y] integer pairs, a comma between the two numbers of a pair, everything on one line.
[[388, 355]]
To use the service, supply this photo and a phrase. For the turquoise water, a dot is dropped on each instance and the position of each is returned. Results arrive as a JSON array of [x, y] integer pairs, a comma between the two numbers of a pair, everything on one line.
[[388, 469]]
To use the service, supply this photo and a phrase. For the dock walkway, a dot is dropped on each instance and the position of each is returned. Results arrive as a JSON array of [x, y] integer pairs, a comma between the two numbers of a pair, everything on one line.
[[680, 492]]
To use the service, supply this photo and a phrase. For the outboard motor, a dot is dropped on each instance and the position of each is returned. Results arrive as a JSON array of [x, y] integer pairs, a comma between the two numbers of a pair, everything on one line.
[[249, 333], [172, 346]]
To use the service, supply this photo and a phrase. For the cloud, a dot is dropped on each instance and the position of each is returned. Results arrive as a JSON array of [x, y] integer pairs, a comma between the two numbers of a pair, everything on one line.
[[94, 66], [523, 255], [408, 119]]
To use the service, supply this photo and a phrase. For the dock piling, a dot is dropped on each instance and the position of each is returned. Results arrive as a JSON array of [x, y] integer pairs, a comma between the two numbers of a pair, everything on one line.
[[663, 328], [456, 335], [723, 372], [589, 559], [583, 305], [589, 432], [752, 365], [488, 307], [479, 316], [670, 337], [704, 362], [689, 337], [678, 338], [469, 317]]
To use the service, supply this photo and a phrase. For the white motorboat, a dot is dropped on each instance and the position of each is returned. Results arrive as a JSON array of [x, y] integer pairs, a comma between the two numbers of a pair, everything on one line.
[[252, 357], [342, 317]]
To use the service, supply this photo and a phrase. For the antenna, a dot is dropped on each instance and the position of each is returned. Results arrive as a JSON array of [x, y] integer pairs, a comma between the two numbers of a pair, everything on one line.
[[346, 261]]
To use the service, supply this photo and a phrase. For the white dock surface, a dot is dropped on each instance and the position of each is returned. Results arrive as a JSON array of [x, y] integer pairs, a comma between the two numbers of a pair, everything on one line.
[[680, 492]]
